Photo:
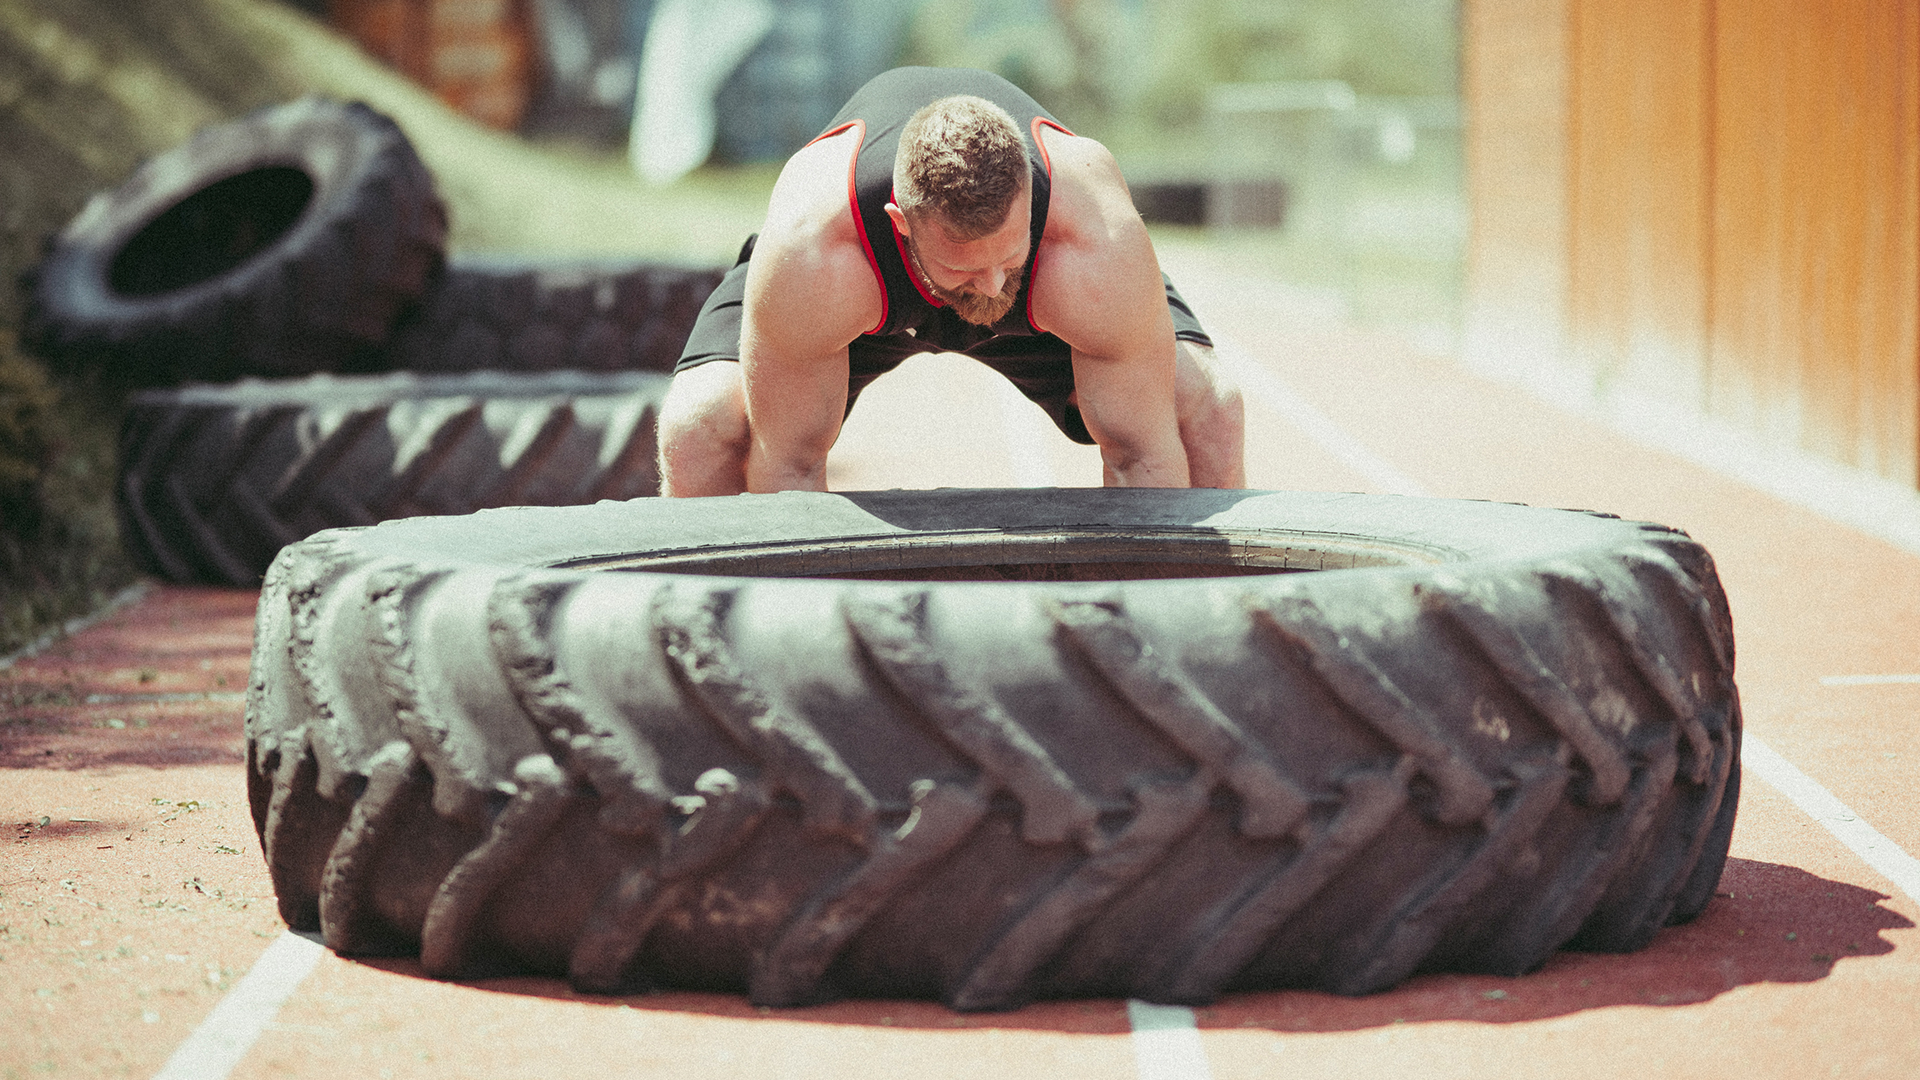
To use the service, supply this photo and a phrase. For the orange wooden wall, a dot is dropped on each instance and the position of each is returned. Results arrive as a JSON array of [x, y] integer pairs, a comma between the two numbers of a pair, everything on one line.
[[1514, 82], [1741, 190]]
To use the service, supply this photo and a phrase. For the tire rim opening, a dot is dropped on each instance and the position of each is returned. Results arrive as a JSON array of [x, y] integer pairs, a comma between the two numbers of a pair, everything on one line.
[[1051, 555], [212, 231]]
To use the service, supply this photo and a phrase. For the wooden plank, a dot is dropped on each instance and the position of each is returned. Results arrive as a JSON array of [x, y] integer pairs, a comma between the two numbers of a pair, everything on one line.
[[475, 55], [396, 31], [1816, 268], [1639, 197], [1514, 82]]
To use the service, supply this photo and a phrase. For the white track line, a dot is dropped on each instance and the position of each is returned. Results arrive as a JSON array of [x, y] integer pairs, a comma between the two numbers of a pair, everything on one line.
[[1267, 389], [1868, 680], [229, 1031], [1815, 801], [1882, 854], [1026, 438], [121, 599], [1166, 1044]]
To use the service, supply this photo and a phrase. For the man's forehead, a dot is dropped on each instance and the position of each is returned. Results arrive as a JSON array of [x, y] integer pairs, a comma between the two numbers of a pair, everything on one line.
[[1016, 225], [994, 248]]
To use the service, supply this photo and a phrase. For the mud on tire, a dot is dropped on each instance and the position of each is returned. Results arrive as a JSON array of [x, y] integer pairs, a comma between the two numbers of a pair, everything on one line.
[[214, 480], [283, 243], [986, 747]]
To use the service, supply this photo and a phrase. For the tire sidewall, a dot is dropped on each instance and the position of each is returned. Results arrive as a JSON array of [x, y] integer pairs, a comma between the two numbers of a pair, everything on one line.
[[1456, 537], [336, 146]]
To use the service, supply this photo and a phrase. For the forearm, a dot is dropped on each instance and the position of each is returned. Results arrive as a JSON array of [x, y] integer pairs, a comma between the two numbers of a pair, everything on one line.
[[1128, 407], [794, 412], [791, 424]]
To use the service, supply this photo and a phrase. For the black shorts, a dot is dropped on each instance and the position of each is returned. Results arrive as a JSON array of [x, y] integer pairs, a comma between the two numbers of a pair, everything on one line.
[[1041, 365]]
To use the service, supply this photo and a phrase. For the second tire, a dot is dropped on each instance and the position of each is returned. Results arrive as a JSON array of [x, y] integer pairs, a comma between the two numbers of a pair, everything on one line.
[[214, 480]]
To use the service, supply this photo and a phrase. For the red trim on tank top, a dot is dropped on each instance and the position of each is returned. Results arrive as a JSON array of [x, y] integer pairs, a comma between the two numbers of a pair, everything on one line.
[[860, 223], [1046, 160], [906, 260]]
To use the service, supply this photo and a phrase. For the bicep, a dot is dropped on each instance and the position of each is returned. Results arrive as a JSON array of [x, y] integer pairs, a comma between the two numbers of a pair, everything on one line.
[[1121, 332]]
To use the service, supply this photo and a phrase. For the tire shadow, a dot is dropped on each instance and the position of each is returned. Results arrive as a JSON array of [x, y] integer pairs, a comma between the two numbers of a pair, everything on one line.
[[1767, 923]]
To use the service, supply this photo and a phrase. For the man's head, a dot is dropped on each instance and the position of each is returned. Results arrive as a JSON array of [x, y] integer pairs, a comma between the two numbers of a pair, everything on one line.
[[962, 198]]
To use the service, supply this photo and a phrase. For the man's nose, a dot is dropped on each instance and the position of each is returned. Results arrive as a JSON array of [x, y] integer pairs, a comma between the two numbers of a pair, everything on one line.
[[995, 280]]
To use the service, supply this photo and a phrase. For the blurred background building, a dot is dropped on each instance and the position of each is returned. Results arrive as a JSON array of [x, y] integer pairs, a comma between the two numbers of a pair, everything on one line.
[[1320, 139], [1702, 208]]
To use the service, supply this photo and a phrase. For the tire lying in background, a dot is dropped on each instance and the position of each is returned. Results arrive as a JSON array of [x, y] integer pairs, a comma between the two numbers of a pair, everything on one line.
[[515, 314], [214, 480], [989, 746], [283, 243]]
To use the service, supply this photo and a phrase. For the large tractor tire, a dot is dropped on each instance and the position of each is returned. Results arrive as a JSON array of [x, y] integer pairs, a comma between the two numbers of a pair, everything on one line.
[[284, 243], [990, 746], [520, 314], [214, 480]]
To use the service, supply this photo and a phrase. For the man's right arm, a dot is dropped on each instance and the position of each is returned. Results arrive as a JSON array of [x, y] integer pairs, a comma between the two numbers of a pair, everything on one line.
[[809, 293], [795, 377]]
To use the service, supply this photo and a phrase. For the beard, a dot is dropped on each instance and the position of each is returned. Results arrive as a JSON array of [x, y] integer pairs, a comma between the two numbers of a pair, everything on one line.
[[976, 308]]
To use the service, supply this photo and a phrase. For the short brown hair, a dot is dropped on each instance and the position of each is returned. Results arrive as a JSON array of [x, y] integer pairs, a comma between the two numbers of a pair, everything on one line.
[[962, 160]]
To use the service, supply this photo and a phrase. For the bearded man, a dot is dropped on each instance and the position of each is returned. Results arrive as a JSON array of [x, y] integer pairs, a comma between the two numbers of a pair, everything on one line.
[[944, 210]]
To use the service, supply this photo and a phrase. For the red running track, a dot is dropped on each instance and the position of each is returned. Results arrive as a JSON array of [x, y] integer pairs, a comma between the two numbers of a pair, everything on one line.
[[133, 899]]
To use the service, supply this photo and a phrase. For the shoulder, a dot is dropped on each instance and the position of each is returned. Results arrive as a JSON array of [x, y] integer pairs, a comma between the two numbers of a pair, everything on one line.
[[1096, 267], [810, 257], [1089, 196]]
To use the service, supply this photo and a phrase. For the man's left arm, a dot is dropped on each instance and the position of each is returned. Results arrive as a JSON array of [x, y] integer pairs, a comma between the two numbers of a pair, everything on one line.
[[1098, 287]]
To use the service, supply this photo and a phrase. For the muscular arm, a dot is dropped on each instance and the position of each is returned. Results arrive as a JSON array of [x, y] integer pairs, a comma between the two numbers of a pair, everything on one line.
[[1098, 288], [809, 293]]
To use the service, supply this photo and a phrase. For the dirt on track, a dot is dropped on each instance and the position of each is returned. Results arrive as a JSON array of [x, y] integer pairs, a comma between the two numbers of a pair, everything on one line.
[[132, 893]]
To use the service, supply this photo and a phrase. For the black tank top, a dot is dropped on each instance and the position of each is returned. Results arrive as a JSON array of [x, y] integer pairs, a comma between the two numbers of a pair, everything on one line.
[[881, 108]]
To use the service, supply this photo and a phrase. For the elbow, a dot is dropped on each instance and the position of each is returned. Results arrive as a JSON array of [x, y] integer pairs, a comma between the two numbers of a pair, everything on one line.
[[769, 471], [1149, 466]]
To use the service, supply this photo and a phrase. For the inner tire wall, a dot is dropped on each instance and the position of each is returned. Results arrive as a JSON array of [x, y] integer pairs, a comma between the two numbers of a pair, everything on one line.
[[214, 480], [987, 793]]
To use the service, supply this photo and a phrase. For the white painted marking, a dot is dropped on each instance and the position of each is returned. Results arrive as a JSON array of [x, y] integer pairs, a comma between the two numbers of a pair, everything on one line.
[[121, 599], [1026, 439], [230, 1030], [164, 699], [1885, 856], [1868, 680], [1267, 388], [1166, 1043], [1879, 507]]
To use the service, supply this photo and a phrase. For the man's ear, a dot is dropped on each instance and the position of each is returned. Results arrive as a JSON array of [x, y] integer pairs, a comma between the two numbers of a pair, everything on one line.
[[899, 217]]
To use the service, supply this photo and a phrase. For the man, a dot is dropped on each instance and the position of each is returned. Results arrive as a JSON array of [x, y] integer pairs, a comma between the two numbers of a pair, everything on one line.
[[944, 210]]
